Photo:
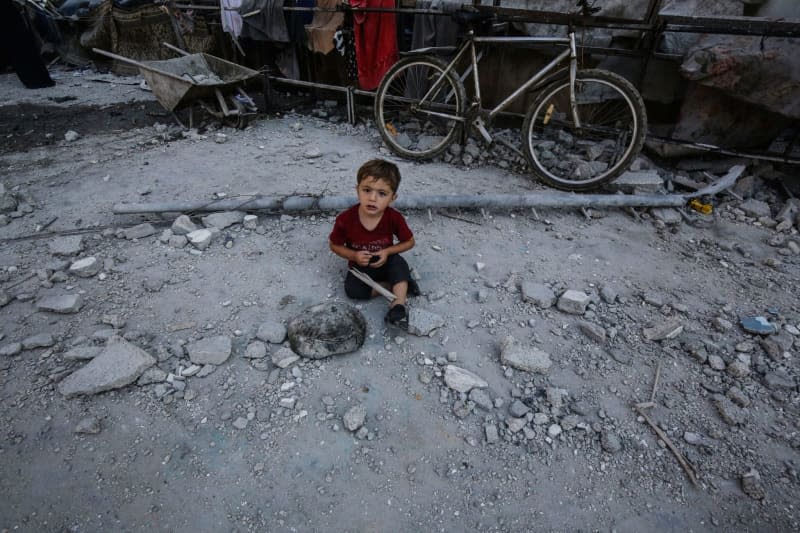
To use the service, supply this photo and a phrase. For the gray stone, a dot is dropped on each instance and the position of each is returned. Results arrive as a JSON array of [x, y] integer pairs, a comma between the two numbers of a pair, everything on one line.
[[779, 380], [555, 397], [183, 225], [250, 222], [240, 423], [515, 424], [462, 409], [139, 231], [730, 413], [83, 352], [41, 340], [737, 396], [752, 486], [8, 200], [738, 369], [716, 362], [491, 434], [165, 236], [327, 329], [71, 136], [540, 419], [481, 398], [354, 418], [210, 351], [667, 215], [206, 371], [721, 324], [462, 380], [755, 208], [64, 304], [669, 329], [120, 364], [4, 298], [151, 375], [538, 294], [284, 357], [86, 267], [272, 332], [66, 246], [255, 350], [518, 409], [529, 359], [592, 330], [638, 181], [554, 430], [223, 219], [609, 294], [88, 426], [573, 302], [422, 322], [200, 239], [178, 241], [11, 349], [610, 442]]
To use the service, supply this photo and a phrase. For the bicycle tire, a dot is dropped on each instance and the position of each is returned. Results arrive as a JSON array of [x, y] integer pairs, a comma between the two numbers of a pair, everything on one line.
[[613, 125], [403, 123]]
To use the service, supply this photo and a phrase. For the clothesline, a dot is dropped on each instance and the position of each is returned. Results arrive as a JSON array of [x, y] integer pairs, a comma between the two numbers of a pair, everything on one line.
[[409, 11]]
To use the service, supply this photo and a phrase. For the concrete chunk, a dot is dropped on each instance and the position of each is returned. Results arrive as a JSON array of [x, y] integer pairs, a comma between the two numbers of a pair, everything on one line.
[[86, 267], [200, 239], [223, 219], [183, 225], [69, 245], [639, 181], [210, 351], [422, 322], [525, 358], [64, 304], [573, 302], [538, 294], [272, 332], [120, 364], [41, 340], [462, 380], [139, 232]]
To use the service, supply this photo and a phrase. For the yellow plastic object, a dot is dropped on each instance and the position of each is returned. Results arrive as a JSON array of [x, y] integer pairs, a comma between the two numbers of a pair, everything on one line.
[[700, 207], [549, 114], [391, 129]]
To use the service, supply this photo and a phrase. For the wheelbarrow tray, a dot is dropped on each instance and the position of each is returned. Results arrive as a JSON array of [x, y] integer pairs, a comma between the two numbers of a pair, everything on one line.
[[178, 82]]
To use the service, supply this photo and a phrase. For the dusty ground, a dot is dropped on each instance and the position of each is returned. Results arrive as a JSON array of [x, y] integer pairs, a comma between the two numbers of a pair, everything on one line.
[[223, 454]]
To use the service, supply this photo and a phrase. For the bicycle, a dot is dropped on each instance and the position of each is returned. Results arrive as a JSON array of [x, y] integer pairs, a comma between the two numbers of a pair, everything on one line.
[[584, 128]]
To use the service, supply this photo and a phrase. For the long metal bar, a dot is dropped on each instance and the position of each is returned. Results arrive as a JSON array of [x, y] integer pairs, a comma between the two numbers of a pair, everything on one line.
[[535, 79], [451, 66], [522, 40], [466, 201]]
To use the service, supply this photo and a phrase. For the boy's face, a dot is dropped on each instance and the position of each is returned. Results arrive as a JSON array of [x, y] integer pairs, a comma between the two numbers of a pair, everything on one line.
[[374, 196]]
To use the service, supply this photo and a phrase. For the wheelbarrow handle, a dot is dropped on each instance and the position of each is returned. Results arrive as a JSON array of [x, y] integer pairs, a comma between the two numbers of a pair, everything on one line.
[[175, 49], [119, 58]]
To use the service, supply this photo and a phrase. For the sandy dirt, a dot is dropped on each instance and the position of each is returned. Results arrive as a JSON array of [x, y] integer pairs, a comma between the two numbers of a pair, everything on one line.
[[227, 453]]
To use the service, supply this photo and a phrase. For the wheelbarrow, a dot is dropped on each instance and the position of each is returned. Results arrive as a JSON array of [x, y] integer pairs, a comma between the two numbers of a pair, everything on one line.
[[197, 79]]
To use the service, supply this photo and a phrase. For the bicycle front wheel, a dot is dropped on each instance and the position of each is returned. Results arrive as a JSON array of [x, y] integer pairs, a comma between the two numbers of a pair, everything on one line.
[[419, 108], [610, 135]]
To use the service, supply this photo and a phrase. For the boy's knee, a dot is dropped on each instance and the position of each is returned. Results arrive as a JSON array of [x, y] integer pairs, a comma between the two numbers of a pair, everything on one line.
[[356, 289]]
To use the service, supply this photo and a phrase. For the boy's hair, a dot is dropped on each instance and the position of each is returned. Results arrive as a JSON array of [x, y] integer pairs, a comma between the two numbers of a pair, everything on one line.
[[380, 169]]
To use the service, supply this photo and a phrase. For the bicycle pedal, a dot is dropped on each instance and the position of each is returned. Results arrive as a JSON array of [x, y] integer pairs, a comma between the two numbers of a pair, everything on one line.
[[478, 123]]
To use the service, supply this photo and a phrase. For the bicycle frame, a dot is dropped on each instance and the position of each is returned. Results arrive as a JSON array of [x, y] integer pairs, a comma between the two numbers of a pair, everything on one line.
[[469, 45]]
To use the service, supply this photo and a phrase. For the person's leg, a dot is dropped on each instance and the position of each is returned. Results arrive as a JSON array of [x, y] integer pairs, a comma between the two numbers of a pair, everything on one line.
[[399, 274], [356, 289]]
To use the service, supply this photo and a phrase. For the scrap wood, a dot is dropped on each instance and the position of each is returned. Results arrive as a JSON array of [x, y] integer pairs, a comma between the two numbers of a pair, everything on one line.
[[380, 289], [655, 382], [663, 436]]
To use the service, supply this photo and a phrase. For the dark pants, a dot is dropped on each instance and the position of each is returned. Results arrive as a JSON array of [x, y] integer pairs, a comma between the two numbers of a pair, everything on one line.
[[394, 271], [18, 45]]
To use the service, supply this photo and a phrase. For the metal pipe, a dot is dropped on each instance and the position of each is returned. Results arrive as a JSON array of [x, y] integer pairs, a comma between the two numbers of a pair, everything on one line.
[[467, 201]]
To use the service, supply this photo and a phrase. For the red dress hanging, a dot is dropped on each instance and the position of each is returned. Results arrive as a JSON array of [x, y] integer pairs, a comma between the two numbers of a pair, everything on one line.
[[376, 42]]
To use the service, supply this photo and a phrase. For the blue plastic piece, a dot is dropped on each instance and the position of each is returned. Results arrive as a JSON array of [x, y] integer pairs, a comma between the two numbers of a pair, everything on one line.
[[758, 325]]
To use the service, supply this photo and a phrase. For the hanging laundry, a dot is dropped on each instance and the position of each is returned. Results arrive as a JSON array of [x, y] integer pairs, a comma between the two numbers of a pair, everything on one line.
[[231, 19], [268, 22], [376, 41], [435, 30], [320, 31]]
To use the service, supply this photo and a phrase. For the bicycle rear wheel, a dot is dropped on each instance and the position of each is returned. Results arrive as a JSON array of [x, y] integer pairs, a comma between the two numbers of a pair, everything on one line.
[[613, 122], [412, 128]]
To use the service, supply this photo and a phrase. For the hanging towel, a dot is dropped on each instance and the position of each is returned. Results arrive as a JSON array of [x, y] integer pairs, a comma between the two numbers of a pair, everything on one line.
[[320, 31], [268, 24], [376, 42], [231, 19]]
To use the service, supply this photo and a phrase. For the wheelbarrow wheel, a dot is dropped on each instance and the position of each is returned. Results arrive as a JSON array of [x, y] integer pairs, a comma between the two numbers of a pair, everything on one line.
[[239, 120]]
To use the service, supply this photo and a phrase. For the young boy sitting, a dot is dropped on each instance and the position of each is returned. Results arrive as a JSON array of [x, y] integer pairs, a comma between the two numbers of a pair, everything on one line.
[[364, 235]]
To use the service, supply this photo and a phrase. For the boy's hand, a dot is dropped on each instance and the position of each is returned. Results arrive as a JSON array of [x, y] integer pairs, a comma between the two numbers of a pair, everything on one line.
[[382, 256], [361, 258]]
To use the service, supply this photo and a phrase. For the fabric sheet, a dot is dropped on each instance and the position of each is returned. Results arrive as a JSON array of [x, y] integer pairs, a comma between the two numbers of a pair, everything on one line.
[[376, 42], [268, 24], [231, 19], [320, 31], [435, 30]]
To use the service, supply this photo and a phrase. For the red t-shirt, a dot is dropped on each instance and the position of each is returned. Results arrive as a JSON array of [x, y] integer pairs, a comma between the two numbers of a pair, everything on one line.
[[348, 231]]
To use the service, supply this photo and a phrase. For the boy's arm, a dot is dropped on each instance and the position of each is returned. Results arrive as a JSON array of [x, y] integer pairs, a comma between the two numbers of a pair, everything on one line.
[[359, 257]]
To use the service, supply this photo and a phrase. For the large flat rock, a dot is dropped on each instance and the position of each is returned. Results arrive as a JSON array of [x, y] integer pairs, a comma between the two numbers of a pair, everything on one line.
[[119, 364], [210, 351]]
